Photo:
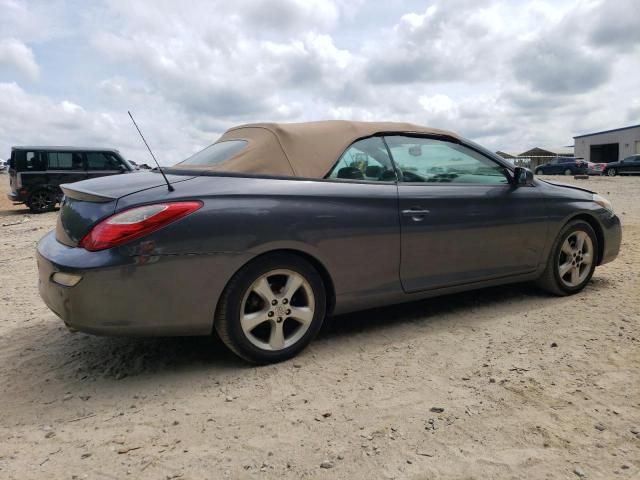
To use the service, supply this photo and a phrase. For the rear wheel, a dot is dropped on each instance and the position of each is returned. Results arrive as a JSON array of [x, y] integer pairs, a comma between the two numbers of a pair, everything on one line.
[[612, 172], [572, 261], [41, 201], [539, 172], [271, 309], [568, 171]]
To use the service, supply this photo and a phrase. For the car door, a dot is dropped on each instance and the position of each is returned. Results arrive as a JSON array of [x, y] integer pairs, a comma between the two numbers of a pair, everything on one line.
[[65, 167], [625, 165], [564, 164], [461, 219], [630, 165], [552, 167], [100, 164]]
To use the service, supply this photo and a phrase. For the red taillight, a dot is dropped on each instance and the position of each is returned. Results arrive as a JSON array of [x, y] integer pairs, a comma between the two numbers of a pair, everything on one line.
[[135, 223]]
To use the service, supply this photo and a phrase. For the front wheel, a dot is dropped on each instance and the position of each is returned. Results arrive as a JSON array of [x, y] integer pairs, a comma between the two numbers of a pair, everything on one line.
[[271, 309], [572, 260], [612, 172]]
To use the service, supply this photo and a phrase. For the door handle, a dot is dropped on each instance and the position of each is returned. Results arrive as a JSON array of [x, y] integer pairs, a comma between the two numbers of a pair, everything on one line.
[[416, 214]]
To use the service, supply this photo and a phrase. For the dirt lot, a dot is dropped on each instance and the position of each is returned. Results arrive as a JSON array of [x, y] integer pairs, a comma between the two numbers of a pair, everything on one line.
[[530, 386]]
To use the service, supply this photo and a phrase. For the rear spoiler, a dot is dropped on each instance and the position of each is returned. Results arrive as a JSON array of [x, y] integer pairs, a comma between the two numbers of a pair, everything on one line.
[[73, 191]]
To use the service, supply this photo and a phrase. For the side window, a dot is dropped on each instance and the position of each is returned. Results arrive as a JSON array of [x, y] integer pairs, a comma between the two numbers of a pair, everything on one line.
[[102, 161], [31, 161], [366, 159], [436, 161], [64, 161]]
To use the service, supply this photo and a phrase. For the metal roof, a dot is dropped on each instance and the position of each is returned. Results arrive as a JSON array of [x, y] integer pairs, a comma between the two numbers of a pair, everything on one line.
[[64, 148], [607, 131], [553, 150]]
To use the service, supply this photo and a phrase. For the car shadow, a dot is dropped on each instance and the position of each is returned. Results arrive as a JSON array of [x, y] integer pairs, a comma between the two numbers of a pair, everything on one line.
[[81, 358], [430, 309], [14, 211], [21, 210], [427, 310]]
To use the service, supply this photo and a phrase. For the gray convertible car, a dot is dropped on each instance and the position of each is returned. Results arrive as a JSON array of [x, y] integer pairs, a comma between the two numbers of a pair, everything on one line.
[[274, 226]]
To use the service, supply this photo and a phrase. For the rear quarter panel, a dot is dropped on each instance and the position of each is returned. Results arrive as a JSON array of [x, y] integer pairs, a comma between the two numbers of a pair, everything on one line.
[[352, 229]]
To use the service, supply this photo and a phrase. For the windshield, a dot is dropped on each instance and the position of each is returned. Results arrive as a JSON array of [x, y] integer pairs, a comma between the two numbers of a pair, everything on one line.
[[214, 154]]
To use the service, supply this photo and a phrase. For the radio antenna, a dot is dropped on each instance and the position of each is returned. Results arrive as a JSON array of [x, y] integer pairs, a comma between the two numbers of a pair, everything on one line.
[[169, 186]]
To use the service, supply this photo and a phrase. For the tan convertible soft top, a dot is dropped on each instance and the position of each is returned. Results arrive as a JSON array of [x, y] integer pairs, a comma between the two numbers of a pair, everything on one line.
[[306, 150]]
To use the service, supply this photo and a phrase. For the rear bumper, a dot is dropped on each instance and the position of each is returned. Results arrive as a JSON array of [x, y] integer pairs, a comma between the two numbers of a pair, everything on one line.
[[141, 295], [612, 233]]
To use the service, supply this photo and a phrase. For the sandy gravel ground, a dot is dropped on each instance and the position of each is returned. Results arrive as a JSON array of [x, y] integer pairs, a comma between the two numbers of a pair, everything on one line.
[[500, 383]]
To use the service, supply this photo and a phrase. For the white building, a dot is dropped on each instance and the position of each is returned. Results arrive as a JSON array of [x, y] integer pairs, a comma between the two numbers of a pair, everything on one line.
[[609, 145]]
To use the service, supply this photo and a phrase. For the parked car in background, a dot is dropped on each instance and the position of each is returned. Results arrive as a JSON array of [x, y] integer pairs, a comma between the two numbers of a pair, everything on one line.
[[36, 173], [563, 166], [265, 232], [628, 166], [139, 166], [3, 166], [595, 168]]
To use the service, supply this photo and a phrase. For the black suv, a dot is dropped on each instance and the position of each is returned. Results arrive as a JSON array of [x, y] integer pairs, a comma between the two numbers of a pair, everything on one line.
[[36, 173]]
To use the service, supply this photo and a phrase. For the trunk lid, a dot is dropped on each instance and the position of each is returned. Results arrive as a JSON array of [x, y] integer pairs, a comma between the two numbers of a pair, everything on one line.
[[87, 202]]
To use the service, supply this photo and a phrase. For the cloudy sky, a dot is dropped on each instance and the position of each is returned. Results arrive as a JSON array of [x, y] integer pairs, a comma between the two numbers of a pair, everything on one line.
[[510, 74]]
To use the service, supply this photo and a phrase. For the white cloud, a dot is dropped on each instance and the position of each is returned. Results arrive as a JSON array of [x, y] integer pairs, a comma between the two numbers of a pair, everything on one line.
[[436, 104], [16, 55], [509, 74], [36, 119]]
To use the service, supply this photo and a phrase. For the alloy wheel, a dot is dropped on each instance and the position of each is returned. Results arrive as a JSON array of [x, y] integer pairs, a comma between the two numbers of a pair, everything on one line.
[[40, 201], [576, 258], [611, 172], [567, 171], [277, 310]]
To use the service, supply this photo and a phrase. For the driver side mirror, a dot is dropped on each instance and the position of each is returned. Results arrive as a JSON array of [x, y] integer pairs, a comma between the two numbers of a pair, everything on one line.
[[523, 176]]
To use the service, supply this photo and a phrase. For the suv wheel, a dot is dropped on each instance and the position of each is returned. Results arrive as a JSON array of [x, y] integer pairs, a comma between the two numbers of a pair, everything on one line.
[[568, 171], [572, 260], [271, 309], [41, 201]]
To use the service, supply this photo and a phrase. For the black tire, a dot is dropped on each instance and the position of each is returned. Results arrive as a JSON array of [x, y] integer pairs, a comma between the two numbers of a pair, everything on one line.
[[228, 313], [568, 172], [41, 201], [539, 172], [550, 280], [611, 172]]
